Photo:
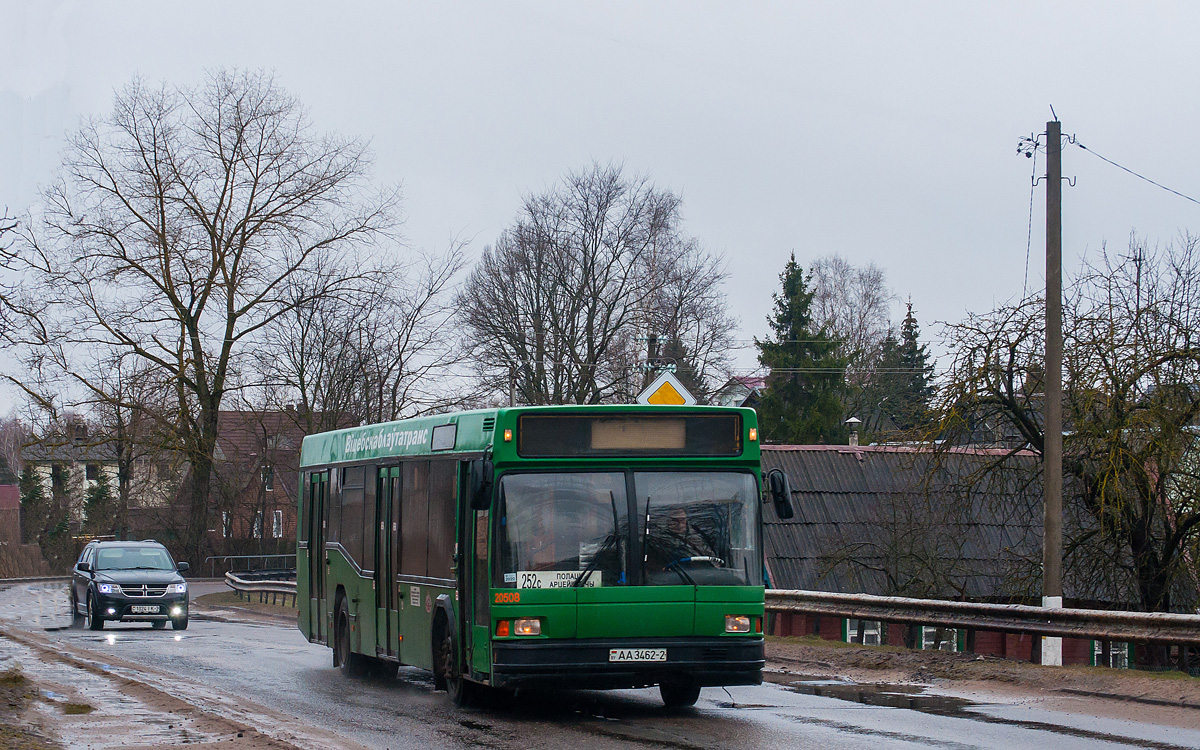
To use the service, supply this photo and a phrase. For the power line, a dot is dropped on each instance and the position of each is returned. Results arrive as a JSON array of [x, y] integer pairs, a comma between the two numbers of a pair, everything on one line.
[[1135, 174]]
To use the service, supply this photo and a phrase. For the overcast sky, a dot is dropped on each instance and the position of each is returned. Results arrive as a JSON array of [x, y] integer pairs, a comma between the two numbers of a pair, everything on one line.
[[884, 132]]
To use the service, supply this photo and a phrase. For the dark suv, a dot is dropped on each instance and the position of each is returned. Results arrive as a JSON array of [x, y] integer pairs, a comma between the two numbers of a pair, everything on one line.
[[129, 582]]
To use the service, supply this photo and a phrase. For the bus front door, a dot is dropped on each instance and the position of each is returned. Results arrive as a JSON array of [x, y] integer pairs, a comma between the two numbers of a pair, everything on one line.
[[476, 616], [318, 497]]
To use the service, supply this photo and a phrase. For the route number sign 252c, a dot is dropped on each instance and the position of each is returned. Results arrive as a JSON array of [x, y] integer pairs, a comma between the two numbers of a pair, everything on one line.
[[553, 579]]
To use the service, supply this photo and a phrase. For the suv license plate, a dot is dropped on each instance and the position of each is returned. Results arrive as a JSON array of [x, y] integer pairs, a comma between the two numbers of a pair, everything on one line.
[[144, 609], [637, 654]]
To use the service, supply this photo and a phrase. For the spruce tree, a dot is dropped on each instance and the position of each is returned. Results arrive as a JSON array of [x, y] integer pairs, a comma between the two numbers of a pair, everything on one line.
[[99, 507], [902, 387], [7, 475], [917, 375], [34, 507], [802, 402]]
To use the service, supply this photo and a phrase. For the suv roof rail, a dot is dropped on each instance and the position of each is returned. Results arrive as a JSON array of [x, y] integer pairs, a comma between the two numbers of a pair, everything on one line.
[[150, 540]]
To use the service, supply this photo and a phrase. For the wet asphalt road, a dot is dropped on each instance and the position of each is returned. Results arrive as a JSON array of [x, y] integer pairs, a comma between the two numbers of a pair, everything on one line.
[[275, 667]]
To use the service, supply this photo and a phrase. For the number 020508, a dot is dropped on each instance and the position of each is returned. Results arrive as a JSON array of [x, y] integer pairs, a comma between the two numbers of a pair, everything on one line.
[[508, 597]]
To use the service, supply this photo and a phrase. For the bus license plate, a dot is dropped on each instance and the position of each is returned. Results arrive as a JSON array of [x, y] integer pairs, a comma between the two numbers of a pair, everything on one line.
[[637, 654], [144, 609]]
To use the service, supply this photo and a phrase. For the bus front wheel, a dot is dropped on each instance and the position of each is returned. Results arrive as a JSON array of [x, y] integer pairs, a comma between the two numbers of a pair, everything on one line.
[[448, 673], [679, 695]]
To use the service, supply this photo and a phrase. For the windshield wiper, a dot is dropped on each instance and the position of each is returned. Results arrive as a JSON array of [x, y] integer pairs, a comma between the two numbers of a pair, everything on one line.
[[609, 541], [613, 537]]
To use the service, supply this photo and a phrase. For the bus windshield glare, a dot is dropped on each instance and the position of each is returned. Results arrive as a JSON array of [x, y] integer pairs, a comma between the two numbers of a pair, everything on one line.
[[572, 529]]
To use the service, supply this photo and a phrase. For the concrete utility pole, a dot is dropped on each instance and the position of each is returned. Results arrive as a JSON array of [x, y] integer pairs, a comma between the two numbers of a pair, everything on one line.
[[1052, 407]]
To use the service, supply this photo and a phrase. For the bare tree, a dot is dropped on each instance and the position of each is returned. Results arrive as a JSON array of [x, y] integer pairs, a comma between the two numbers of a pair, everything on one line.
[[559, 302], [171, 236], [8, 289], [1130, 407], [853, 305], [688, 313], [381, 351], [14, 435]]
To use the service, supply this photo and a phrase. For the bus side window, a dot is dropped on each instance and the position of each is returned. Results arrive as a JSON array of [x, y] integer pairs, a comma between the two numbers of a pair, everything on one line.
[[302, 530], [352, 497], [333, 508], [369, 523], [414, 518], [481, 577], [441, 517]]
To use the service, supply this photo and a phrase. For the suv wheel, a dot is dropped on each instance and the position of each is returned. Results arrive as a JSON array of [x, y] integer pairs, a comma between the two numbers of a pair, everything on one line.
[[75, 616], [94, 620], [179, 623]]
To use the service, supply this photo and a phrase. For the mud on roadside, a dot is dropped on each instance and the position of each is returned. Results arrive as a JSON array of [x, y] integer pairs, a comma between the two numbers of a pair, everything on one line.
[[20, 726], [1125, 692]]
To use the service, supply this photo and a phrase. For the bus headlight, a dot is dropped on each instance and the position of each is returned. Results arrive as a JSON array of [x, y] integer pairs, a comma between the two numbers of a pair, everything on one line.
[[527, 626], [737, 624]]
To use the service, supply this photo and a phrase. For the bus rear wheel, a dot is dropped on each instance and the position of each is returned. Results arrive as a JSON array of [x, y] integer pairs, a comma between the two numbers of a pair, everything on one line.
[[679, 694], [351, 664]]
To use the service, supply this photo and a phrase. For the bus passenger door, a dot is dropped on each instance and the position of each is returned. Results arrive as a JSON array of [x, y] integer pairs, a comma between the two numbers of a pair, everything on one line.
[[386, 496], [318, 495], [474, 574]]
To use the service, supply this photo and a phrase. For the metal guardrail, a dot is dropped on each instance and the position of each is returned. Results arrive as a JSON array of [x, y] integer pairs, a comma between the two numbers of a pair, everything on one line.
[[273, 588], [1149, 627], [232, 560]]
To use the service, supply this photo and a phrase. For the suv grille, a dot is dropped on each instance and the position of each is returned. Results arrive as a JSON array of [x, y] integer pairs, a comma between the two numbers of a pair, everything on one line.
[[141, 589]]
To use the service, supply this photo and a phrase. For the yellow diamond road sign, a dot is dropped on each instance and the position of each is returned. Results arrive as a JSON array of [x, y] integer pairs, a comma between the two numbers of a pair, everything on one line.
[[666, 390]]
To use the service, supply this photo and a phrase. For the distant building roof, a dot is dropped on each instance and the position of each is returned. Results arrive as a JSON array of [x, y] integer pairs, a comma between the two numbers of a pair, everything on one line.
[[740, 390]]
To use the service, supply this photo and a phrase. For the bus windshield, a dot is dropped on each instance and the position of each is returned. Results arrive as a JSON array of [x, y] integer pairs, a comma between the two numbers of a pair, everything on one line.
[[572, 529], [698, 528]]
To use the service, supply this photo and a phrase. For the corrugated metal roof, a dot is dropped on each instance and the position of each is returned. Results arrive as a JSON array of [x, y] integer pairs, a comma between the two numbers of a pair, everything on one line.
[[895, 520]]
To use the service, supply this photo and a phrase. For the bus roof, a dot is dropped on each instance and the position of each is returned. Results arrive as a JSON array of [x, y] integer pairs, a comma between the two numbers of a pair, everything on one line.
[[459, 432]]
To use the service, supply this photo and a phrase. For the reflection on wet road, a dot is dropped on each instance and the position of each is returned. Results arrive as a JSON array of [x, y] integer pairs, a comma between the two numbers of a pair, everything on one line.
[[277, 673]]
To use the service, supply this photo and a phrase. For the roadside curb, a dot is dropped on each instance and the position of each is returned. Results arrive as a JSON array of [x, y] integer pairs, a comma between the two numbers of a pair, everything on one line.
[[830, 671], [1129, 698]]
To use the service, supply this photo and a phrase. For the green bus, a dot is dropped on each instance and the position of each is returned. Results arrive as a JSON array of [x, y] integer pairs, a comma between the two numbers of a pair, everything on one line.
[[558, 546]]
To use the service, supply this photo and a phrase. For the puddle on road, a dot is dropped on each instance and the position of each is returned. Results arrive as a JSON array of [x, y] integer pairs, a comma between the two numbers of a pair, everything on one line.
[[910, 697], [914, 698]]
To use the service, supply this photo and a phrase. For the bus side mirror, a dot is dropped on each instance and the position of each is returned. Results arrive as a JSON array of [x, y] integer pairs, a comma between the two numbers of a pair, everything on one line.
[[481, 484], [781, 494]]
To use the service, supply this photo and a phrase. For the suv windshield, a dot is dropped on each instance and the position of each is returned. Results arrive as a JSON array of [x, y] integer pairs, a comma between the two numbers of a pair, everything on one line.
[[133, 558], [572, 529]]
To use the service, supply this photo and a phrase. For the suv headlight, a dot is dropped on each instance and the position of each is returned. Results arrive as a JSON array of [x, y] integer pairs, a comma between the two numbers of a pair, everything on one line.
[[177, 588], [109, 588]]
